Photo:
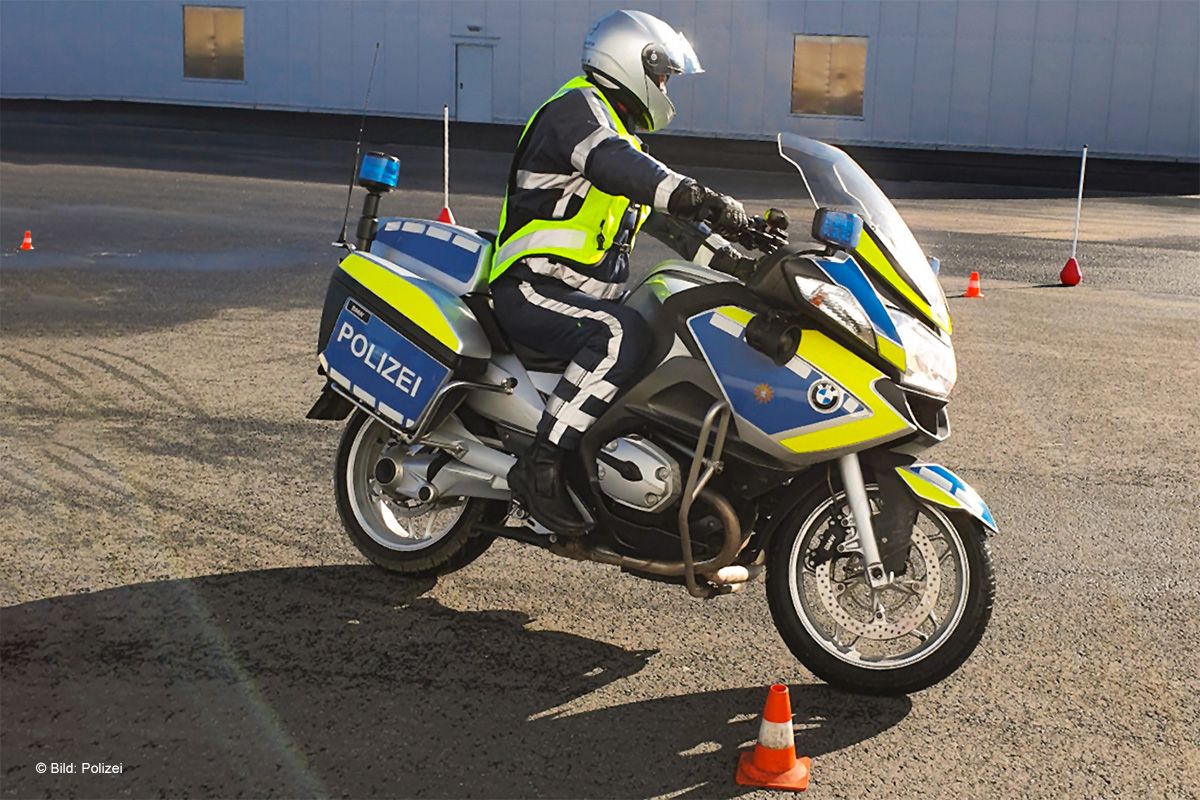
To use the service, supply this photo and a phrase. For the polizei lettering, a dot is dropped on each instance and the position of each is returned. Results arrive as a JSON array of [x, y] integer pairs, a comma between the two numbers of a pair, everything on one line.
[[388, 368]]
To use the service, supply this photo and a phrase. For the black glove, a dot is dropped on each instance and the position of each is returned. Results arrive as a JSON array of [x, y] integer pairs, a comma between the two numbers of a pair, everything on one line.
[[692, 201], [724, 214], [686, 199]]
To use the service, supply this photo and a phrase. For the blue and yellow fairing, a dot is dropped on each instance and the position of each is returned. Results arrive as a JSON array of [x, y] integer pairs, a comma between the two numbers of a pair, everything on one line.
[[847, 273], [871, 255], [824, 400]]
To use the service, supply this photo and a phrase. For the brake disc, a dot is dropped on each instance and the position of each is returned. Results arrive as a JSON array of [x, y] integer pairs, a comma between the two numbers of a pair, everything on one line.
[[833, 594]]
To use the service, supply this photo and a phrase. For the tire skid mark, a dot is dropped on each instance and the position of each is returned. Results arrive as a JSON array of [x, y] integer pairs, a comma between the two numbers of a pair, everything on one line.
[[65, 367], [46, 378], [105, 468], [54, 493], [106, 488], [184, 397], [23, 476], [130, 492], [125, 377], [79, 478], [100, 463]]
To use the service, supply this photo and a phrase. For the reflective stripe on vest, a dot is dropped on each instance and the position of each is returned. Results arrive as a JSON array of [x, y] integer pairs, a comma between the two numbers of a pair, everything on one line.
[[584, 238], [538, 241]]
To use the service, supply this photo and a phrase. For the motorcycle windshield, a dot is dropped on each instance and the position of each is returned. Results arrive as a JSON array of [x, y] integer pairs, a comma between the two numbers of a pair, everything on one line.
[[834, 179]]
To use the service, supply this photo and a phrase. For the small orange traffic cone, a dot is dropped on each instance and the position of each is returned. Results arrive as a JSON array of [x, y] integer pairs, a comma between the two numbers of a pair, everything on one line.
[[28, 243], [772, 763], [973, 289], [446, 216]]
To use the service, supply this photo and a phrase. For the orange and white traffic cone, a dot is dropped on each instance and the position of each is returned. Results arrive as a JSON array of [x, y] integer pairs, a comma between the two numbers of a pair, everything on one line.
[[973, 289], [772, 763], [28, 243]]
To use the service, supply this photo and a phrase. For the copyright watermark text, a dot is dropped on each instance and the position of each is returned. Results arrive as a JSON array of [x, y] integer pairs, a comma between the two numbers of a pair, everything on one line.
[[79, 768]]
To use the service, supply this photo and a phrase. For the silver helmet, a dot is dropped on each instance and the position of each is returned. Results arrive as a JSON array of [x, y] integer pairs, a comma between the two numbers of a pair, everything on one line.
[[638, 52]]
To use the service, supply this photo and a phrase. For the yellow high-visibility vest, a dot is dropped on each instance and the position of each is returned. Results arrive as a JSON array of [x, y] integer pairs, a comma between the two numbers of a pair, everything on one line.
[[583, 238]]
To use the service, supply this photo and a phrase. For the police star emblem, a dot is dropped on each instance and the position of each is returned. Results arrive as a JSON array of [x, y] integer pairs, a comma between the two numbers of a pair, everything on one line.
[[763, 393]]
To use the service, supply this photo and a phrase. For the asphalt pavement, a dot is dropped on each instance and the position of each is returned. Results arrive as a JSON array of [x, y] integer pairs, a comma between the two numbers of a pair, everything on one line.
[[178, 596]]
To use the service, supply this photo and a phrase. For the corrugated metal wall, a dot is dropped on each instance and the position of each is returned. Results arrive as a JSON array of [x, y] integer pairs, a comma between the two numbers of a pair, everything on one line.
[[1015, 75]]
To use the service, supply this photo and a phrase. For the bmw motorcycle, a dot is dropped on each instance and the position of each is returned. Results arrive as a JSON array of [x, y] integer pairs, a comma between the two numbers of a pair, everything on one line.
[[778, 427]]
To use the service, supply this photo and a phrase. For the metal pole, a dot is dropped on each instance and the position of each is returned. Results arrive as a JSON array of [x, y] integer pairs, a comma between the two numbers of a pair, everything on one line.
[[446, 156], [362, 124], [1079, 202]]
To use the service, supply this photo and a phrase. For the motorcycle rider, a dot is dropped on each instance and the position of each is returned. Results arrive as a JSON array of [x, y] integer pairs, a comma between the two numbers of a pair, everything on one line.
[[580, 187]]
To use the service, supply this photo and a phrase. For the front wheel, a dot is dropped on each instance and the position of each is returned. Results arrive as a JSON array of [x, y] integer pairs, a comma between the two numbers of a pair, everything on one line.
[[398, 534], [900, 639]]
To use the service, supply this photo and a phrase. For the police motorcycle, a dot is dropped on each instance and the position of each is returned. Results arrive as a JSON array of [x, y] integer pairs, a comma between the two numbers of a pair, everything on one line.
[[778, 427]]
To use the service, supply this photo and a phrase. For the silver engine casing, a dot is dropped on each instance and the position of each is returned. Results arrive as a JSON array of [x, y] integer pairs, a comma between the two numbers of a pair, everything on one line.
[[661, 482]]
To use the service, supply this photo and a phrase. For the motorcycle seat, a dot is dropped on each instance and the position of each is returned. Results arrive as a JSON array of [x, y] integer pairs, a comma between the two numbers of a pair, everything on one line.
[[536, 361], [480, 304]]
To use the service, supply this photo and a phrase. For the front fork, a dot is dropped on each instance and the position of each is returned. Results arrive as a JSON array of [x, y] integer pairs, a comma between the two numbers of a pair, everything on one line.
[[860, 511]]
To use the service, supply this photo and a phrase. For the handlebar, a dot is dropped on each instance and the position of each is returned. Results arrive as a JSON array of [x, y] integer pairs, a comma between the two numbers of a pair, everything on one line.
[[766, 233]]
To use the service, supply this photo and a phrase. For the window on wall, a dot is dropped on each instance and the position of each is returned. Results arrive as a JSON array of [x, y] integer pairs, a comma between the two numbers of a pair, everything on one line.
[[828, 73], [212, 43]]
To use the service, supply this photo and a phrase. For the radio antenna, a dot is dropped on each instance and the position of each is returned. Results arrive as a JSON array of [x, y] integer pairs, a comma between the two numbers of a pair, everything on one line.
[[362, 124]]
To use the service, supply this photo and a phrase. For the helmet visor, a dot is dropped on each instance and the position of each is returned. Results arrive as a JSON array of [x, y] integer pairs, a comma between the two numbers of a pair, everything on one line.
[[673, 55]]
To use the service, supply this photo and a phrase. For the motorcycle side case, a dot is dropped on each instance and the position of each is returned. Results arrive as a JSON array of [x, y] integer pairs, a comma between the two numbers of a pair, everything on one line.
[[456, 258], [445, 333], [434, 318]]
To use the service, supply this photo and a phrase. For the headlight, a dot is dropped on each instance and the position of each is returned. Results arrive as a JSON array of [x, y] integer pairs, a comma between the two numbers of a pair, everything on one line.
[[839, 305], [930, 356]]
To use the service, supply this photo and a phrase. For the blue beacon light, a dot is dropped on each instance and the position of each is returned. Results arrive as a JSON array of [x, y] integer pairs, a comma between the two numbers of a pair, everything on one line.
[[379, 172], [838, 228]]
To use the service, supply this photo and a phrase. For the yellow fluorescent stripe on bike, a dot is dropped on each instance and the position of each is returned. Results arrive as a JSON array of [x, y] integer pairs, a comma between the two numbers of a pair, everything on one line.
[[876, 420], [739, 315], [859, 378], [939, 485], [927, 491], [402, 295], [892, 352], [869, 251]]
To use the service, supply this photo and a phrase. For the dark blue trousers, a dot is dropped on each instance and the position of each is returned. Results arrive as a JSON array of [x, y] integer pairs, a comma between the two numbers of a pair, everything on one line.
[[605, 342]]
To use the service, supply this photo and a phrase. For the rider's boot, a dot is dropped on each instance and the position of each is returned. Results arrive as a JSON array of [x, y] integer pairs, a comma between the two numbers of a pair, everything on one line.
[[537, 482]]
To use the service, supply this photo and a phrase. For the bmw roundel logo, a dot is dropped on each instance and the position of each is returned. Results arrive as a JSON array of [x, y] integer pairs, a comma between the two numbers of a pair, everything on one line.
[[825, 396]]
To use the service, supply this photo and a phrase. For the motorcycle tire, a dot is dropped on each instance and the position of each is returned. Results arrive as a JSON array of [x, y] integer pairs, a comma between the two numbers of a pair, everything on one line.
[[948, 656], [456, 548]]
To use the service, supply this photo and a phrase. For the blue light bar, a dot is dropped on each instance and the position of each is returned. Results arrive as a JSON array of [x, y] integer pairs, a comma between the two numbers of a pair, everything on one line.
[[379, 170], [838, 228]]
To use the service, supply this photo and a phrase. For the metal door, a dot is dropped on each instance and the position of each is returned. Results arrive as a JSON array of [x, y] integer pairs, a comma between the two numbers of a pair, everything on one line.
[[474, 74]]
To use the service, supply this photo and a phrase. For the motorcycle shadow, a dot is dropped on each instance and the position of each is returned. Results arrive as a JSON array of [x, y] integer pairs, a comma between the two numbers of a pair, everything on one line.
[[344, 681]]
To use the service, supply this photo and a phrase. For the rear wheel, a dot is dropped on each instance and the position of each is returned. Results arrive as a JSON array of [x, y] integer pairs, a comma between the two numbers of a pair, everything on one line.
[[401, 534], [900, 639]]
